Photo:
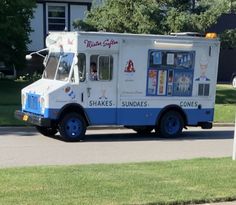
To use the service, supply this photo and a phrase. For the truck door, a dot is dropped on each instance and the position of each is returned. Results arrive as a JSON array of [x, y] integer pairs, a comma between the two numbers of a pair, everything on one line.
[[101, 89]]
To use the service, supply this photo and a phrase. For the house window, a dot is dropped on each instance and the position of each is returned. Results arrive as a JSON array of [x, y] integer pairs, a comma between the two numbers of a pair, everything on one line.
[[57, 17]]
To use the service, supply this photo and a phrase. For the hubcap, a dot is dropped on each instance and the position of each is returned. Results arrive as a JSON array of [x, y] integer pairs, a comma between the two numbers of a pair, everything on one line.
[[73, 127], [172, 125]]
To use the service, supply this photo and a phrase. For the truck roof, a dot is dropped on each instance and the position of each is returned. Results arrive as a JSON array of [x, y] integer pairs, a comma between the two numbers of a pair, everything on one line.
[[152, 36], [181, 37]]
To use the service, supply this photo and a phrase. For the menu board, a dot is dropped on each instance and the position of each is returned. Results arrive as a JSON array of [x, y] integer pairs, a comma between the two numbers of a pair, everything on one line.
[[152, 82], [171, 59], [170, 82], [170, 73], [183, 82], [161, 82]]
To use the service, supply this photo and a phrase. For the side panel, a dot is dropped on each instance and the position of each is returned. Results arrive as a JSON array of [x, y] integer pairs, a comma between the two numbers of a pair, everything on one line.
[[133, 105], [100, 91], [146, 87]]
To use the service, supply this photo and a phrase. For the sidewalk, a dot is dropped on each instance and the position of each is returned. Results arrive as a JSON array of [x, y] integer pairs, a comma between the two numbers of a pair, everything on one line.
[[218, 124]]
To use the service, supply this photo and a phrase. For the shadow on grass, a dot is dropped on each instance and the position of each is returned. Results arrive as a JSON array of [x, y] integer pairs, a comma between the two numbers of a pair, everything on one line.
[[226, 96]]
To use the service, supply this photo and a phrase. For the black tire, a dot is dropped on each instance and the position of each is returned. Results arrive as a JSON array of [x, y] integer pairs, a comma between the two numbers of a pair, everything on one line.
[[72, 127], [171, 124], [143, 130], [47, 131]]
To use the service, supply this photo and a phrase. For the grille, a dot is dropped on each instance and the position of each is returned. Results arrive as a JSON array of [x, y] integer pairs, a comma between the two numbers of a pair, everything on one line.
[[33, 104]]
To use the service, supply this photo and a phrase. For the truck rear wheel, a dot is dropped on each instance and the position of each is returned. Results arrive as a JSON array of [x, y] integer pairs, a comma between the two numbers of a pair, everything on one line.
[[72, 127], [171, 124], [47, 131]]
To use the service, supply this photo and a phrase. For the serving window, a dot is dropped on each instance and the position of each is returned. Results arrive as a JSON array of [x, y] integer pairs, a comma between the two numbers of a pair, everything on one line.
[[170, 73]]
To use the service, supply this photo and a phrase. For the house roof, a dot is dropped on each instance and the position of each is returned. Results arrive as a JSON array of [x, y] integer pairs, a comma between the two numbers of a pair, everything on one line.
[[224, 22]]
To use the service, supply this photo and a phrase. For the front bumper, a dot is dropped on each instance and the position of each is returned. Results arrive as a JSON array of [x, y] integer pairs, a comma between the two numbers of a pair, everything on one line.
[[33, 119]]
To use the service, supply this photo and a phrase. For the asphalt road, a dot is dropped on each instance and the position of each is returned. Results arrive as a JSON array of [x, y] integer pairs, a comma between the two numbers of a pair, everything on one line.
[[25, 147]]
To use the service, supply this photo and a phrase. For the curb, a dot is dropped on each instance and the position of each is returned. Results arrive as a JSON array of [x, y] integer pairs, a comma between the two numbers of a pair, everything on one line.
[[223, 124]]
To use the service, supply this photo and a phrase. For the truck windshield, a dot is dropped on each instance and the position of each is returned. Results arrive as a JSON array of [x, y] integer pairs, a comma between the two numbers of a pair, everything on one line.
[[58, 66]]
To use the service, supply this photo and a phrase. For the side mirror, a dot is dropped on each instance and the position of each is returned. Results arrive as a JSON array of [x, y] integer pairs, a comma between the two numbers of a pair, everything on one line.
[[45, 61], [76, 60], [28, 57]]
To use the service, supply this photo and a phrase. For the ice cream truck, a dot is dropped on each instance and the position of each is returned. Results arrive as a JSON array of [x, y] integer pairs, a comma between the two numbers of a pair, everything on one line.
[[143, 82]]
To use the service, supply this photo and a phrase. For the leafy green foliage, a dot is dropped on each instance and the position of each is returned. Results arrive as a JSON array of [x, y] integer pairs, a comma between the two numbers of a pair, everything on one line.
[[153, 16], [228, 39], [14, 30], [124, 16]]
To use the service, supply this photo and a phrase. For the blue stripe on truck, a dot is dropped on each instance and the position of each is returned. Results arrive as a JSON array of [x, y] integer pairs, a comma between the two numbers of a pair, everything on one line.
[[134, 116]]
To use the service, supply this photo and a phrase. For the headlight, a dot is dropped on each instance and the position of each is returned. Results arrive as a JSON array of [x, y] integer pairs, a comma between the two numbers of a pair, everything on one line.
[[23, 100], [42, 104]]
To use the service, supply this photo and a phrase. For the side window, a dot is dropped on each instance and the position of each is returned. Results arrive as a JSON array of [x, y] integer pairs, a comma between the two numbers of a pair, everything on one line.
[[101, 68], [203, 89], [105, 67], [64, 66], [93, 70], [82, 66]]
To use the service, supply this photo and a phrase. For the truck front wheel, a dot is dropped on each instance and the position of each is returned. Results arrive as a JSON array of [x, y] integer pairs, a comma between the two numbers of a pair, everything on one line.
[[47, 131], [171, 124], [72, 127]]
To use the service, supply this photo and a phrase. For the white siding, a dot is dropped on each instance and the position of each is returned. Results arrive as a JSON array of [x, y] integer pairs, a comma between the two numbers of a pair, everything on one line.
[[37, 36], [77, 12]]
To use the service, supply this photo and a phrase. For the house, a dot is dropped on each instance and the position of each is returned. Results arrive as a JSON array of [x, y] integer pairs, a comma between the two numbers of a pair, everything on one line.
[[55, 15], [227, 62]]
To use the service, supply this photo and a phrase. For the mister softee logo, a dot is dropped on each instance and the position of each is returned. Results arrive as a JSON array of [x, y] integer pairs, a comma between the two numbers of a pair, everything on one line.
[[106, 43]]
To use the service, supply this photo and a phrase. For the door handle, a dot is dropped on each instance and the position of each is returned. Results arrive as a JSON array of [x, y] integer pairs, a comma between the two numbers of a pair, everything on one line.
[[82, 97], [89, 92]]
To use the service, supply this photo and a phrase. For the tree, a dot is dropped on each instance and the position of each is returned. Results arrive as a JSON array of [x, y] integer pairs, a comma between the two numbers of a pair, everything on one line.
[[139, 16], [153, 16], [198, 18], [14, 30]]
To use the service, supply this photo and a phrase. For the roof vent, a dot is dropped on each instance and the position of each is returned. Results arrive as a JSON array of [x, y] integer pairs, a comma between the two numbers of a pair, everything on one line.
[[193, 34]]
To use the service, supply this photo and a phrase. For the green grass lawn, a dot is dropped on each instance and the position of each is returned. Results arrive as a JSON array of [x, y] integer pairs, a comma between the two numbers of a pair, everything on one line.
[[10, 100], [7, 115], [225, 94], [10, 92], [225, 113], [225, 108], [174, 182]]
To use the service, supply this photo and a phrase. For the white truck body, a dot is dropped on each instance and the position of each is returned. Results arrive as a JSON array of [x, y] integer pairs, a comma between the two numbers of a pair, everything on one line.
[[139, 77]]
